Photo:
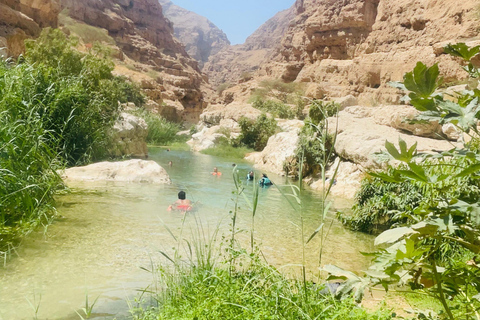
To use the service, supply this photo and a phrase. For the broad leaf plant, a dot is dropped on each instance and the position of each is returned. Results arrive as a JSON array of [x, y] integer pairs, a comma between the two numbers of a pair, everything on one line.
[[410, 251]]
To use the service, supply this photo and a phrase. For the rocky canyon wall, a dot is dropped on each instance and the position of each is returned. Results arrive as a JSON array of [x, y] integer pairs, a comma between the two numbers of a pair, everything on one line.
[[145, 36], [355, 47], [200, 36], [239, 62], [21, 19]]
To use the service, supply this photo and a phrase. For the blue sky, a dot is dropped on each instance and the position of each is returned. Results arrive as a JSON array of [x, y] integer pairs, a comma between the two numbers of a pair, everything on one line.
[[238, 19]]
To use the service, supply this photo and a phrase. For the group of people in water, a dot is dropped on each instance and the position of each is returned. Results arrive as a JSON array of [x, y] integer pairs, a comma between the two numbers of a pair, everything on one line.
[[183, 204]]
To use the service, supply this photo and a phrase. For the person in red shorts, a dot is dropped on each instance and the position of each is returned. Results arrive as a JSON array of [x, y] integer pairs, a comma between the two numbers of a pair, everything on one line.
[[182, 204]]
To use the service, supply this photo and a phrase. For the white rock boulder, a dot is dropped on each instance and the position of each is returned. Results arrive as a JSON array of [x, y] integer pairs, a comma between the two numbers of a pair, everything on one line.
[[280, 147], [136, 171], [129, 137]]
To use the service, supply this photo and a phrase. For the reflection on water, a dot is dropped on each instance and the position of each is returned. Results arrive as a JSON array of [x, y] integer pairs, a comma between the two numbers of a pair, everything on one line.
[[109, 233]]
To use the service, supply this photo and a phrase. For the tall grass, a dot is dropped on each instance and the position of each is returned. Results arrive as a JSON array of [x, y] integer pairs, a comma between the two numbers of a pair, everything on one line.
[[160, 131], [210, 276], [56, 108], [227, 151]]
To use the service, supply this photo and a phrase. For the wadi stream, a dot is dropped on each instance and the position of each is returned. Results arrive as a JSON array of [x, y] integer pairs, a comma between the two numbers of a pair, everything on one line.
[[108, 234]]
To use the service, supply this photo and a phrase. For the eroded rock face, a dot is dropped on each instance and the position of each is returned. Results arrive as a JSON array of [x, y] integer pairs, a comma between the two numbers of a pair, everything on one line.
[[200, 36], [239, 62], [355, 47], [129, 136], [361, 135], [145, 36], [23, 19], [134, 171]]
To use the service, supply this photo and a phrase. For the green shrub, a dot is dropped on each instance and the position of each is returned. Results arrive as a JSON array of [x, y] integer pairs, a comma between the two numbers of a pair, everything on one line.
[[276, 108], [380, 204], [320, 110], [255, 133], [277, 89], [160, 131]]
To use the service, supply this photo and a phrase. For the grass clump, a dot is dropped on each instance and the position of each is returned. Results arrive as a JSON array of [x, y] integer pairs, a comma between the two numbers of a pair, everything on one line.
[[160, 131], [88, 34], [257, 291], [227, 151]]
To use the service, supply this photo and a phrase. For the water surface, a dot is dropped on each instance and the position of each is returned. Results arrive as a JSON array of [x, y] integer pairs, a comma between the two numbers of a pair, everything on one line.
[[107, 234]]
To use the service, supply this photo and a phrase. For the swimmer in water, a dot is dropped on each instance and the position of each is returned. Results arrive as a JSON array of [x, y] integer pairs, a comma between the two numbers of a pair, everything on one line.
[[182, 204], [264, 181], [250, 176], [216, 172]]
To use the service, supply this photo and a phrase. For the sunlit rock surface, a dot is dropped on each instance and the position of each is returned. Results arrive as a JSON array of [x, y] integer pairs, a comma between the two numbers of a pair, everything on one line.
[[135, 171], [129, 136], [280, 147]]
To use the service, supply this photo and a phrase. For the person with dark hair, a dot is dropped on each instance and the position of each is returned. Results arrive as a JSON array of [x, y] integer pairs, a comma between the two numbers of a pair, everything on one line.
[[250, 176], [182, 204], [264, 181]]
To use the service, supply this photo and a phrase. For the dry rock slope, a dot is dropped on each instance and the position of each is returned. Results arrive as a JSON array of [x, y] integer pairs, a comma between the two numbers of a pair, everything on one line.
[[145, 38], [239, 62], [355, 47], [200, 36]]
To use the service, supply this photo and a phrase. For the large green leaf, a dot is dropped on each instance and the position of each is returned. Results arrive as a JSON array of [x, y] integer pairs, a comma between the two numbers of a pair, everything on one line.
[[462, 50], [422, 80], [393, 235]]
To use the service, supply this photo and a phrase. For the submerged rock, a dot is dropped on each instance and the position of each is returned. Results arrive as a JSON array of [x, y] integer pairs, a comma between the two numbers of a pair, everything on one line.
[[137, 171]]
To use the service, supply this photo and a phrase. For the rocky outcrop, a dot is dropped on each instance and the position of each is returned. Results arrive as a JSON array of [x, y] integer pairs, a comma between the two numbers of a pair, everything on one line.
[[134, 171], [357, 46], [200, 36], [360, 135], [21, 19], [219, 121], [280, 147], [129, 136], [146, 39], [239, 62], [346, 182]]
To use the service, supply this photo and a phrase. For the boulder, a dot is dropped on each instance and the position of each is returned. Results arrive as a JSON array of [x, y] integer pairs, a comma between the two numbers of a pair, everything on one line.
[[129, 137], [400, 117], [205, 138], [360, 136], [347, 181], [280, 147], [136, 171]]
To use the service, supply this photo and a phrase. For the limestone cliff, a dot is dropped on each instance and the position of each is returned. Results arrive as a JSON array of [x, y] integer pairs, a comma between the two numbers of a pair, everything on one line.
[[199, 35], [358, 46], [355, 47], [239, 62], [145, 37], [21, 19]]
